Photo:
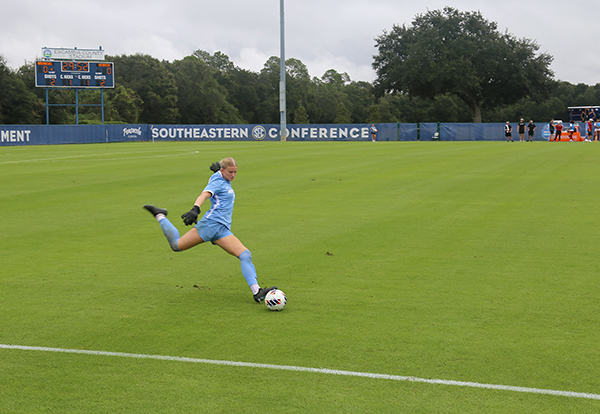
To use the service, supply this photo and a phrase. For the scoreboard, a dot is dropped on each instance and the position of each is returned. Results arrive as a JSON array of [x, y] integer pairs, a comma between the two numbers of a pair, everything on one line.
[[74, 74]]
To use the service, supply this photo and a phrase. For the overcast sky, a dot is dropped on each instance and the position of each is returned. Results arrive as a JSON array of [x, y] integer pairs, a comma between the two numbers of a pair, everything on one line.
[[323, 34]]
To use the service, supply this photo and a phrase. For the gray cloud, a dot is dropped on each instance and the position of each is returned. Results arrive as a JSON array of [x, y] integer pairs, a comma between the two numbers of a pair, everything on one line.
[[332, 34]]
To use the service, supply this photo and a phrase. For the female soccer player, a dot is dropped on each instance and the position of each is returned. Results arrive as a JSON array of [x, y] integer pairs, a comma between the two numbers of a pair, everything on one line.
[[215, 225], [373, 130]]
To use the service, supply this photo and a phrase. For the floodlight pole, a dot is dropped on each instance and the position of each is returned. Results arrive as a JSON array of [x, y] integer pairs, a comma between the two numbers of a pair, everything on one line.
[[282, 100]]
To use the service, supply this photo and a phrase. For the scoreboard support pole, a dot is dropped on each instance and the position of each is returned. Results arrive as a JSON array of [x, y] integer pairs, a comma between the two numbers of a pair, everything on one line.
[[47, 109], [102, 103], [76, 105]]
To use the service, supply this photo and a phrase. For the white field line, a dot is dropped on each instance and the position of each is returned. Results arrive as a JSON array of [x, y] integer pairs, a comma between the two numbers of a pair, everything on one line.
[[99, 157], [314, 370]]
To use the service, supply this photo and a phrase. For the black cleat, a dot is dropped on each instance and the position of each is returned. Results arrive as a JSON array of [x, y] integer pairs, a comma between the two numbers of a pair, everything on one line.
[[262, 292], [155, 210]]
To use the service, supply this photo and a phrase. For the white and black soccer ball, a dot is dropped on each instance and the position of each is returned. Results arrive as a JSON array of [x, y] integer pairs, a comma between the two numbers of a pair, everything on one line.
[[275, 300]]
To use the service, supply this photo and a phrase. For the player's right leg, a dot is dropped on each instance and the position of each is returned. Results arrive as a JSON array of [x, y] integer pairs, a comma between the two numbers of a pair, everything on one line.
[[234, 247]]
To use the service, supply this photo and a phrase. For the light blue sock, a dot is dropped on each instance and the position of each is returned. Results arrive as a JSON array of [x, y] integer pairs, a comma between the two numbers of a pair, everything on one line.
[[248, 269], [170, 232]]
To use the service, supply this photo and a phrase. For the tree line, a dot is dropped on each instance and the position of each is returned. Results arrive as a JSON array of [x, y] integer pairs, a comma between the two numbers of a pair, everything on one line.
[[447, 66]]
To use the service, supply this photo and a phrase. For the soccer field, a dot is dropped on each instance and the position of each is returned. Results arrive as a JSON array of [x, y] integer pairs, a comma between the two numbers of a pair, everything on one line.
[[422, 277]]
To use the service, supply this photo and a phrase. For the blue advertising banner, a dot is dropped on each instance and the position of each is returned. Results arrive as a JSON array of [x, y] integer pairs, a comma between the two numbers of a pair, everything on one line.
[[12, 135], [472, 132], [408, 132], [483, 132], [271, 132]]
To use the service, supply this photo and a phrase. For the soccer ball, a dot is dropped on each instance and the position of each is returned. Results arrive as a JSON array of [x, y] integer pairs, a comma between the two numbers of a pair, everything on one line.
[[275, 300]]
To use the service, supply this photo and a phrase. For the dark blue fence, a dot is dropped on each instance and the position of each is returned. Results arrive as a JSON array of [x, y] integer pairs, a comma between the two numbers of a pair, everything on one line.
[[70, 134], [11, 135]]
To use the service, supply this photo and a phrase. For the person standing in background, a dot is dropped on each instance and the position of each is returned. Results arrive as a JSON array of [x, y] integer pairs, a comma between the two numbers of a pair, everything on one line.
[[530, 129], [551, 129], [558, 134], [521, 130], [508, 131], [373, 130], [571, 131]]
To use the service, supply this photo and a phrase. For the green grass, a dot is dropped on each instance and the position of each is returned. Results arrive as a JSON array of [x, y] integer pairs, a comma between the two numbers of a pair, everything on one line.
[[465, 261]]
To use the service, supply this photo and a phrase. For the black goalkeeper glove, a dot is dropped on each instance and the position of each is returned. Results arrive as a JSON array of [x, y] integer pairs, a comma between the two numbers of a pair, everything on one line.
[[191, 217], [215, 167]]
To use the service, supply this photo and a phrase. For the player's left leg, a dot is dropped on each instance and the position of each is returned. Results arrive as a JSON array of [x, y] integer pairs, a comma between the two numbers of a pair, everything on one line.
[[190, 239], [169, 230]]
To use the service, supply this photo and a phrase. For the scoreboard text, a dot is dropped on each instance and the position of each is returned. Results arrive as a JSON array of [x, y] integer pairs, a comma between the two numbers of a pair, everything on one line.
[[74, 74]]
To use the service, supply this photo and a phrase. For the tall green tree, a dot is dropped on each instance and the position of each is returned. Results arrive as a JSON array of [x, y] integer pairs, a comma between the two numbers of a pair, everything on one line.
[[218, 61], [18, 104], [342, 114], [298, 87], [124, 105], [462, 54], [298, 84], [327, 93], [268, 92], [301, 116], [201, 100], [240, 84], [360, 97], [154, 83]]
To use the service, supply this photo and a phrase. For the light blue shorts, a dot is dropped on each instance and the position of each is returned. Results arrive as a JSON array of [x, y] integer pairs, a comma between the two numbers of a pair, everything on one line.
[[211, 231]]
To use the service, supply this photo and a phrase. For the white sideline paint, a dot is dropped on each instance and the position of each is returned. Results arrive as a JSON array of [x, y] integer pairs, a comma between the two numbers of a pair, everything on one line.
[[315, 370], [100, 157]]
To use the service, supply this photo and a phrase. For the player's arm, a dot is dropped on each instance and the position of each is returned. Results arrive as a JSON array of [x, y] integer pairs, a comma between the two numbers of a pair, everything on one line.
[[191, 217], [202, 198]]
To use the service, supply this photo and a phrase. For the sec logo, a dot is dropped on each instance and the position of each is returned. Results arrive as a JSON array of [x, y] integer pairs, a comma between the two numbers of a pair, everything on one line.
[[259, 132]]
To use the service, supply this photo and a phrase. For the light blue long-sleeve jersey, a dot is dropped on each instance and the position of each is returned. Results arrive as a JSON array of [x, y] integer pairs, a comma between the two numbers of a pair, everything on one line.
[[222, 200]]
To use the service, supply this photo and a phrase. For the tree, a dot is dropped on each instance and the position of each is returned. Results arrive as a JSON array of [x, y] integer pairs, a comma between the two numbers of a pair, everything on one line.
[[297, 86], [328, 100], [374, 114], [360, 97], [18, 105], [240, 84], [333, 77], [268, 92], [124, 105], [201, 100], [218, 62], [301, 116], [323, 103], [342, 114], [154, 83], [462, 54]]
